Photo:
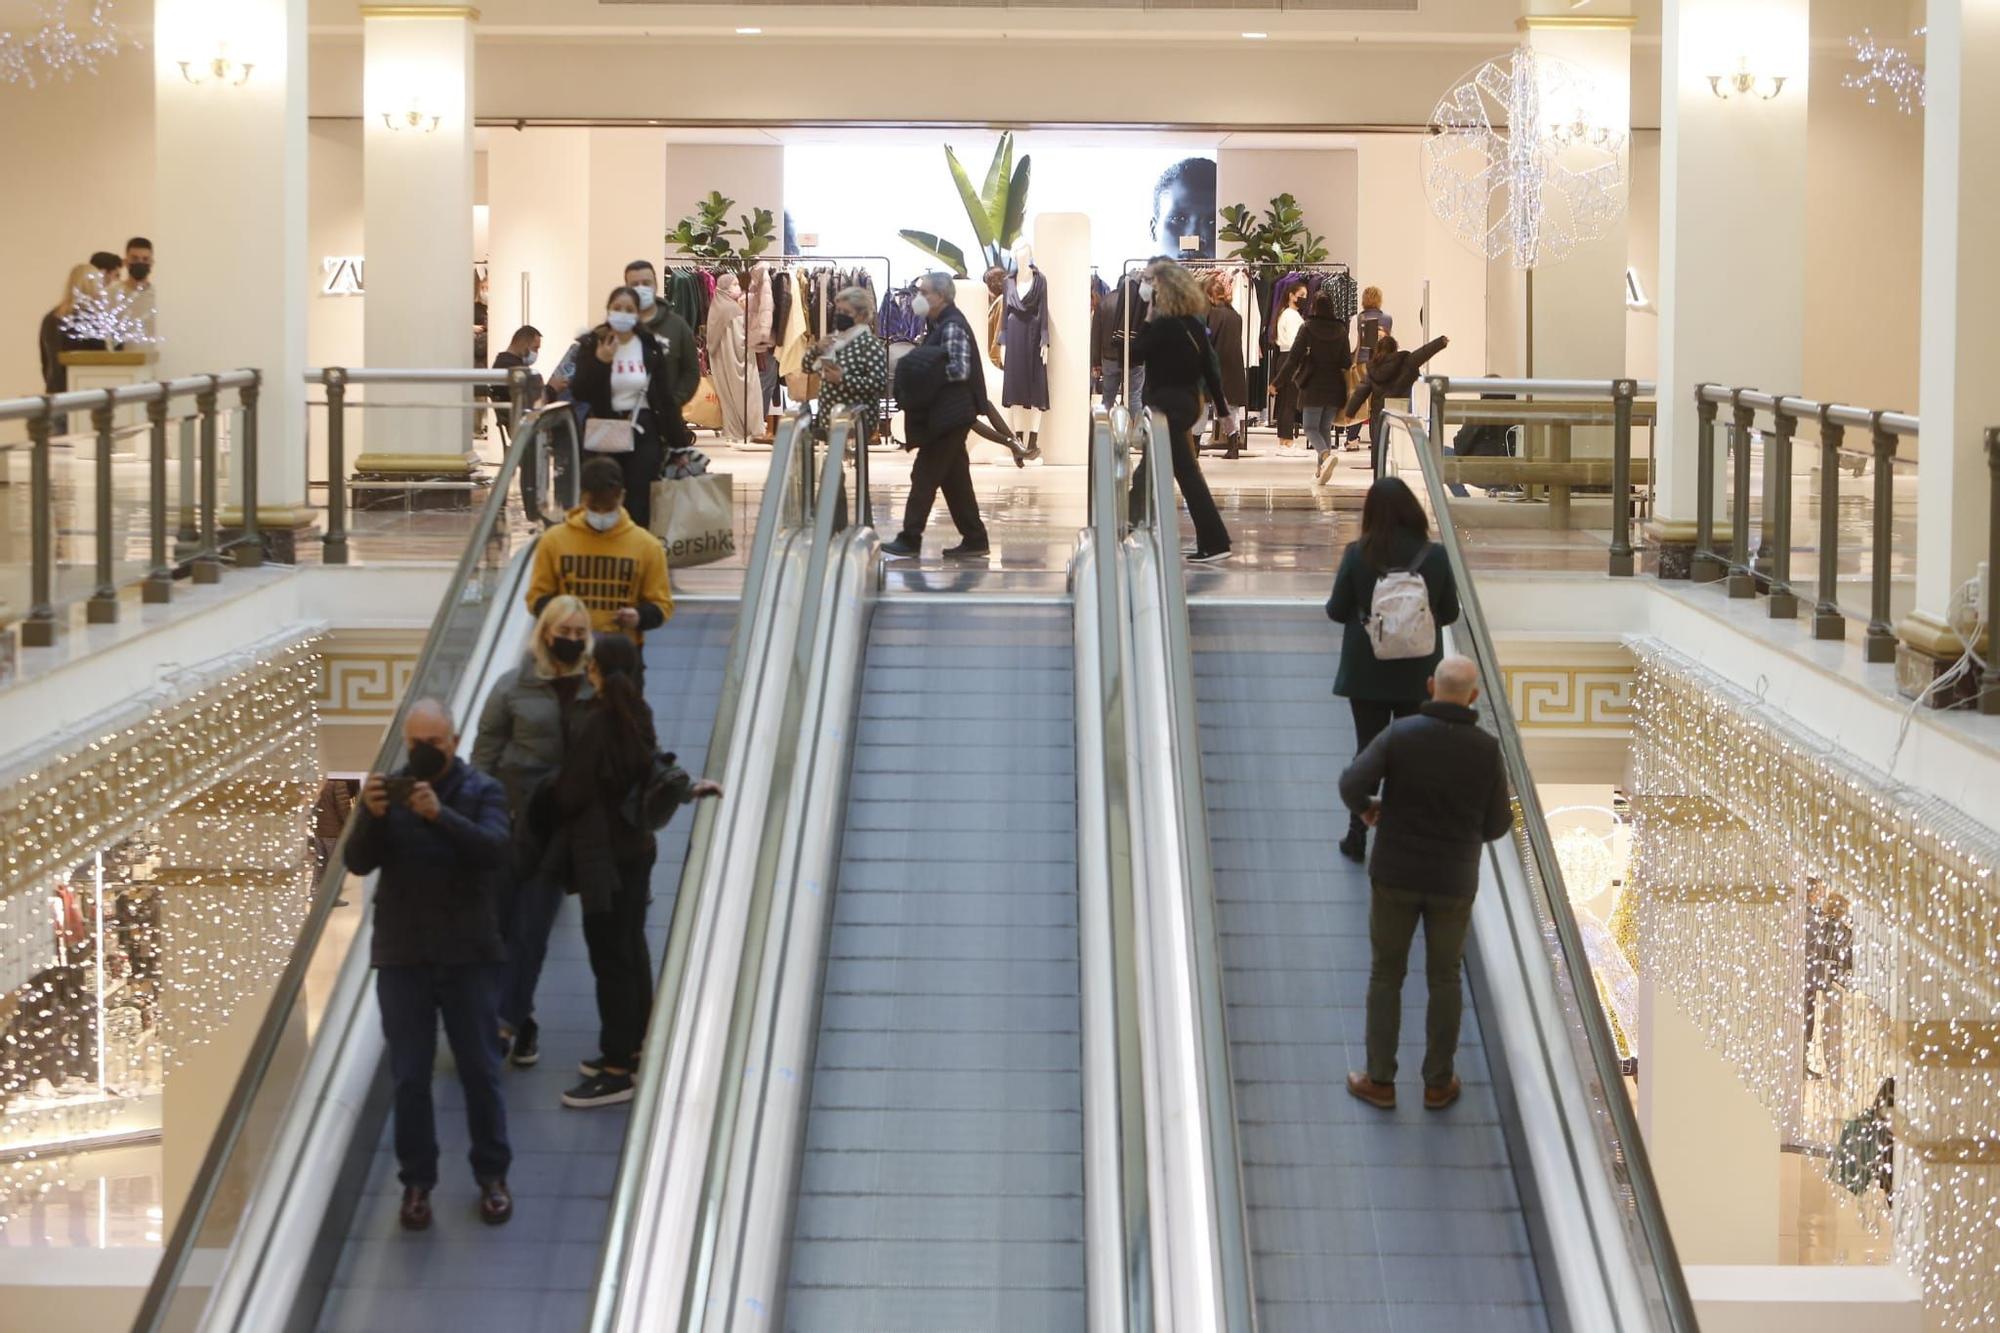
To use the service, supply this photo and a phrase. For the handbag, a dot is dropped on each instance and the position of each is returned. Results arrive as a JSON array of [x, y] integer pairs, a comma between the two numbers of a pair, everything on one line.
[[607, 435], [695, 518], [705, 408]]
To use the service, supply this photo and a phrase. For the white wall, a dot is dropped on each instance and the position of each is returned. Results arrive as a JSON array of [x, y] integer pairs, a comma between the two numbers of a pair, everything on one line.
[[334, 227], [1399, 245], [537, 227], [1642, 327], [628, 200], [752, 175], [1325, 181]]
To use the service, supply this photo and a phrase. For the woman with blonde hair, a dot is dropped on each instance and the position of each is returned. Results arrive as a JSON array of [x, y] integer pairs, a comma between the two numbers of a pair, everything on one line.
[[524, 733], [88, 279], [1180, 366]]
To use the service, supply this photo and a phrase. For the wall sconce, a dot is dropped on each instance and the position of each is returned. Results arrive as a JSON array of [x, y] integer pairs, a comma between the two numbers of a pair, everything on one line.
[[1578, 132], [218, 68], [415, 120], [1745, 84]]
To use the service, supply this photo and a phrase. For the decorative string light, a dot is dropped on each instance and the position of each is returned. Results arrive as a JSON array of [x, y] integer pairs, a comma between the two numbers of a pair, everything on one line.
[[1749, 830], [53, 45], [115, 315], [1517, 166], [1887, 69]]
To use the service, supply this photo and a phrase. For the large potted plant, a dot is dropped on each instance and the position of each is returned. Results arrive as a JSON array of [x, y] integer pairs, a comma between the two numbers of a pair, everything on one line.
[[706, 234], [996, 210], [1280, 237]]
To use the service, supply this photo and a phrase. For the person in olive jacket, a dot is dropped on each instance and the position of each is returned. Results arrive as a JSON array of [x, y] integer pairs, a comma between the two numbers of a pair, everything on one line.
[[523, 734], [1395, 535], [438, 833], [1442, 797]]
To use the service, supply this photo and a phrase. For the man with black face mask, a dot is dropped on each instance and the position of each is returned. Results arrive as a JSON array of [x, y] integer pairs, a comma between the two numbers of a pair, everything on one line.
[[438, 832], [139, 282]]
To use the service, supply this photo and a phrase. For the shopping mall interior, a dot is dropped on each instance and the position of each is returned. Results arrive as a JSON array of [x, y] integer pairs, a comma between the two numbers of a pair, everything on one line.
[[1020, 973]]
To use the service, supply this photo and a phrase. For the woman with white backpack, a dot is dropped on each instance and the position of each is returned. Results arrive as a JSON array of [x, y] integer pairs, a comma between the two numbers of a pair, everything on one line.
[[1394, 594]]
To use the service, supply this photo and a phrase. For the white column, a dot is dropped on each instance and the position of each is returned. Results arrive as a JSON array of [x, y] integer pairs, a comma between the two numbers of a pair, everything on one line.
[[1578, 305], [1958, 392], [1732, 215], [418, 63], [1062, 252], [230, 218], [1713, 1147]]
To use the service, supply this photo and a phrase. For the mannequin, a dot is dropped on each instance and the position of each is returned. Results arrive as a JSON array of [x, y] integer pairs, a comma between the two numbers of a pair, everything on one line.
[[1025, 335]]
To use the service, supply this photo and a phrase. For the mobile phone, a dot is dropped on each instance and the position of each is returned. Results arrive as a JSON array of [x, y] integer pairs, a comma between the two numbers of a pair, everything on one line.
[[399, 789]]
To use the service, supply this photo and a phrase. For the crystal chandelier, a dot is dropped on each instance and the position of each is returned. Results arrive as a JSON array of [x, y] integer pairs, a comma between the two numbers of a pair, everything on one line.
[[1517, 166], [52, 44], [1886, 70]]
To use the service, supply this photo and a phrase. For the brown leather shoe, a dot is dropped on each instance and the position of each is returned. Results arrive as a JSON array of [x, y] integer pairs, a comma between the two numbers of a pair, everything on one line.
[[1379, 1095], [416, 1214], [496, 1205], [1436, 1099]]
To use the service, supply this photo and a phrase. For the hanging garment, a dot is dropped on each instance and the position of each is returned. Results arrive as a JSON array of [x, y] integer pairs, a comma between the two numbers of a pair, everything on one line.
[[1225, 331], [736, 384], [1024, 335], [757, 310], [1243, 300], [781, 307]]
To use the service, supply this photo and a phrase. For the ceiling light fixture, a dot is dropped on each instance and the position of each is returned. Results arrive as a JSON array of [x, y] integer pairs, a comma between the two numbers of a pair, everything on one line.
[[1255, 36], [749, 32]]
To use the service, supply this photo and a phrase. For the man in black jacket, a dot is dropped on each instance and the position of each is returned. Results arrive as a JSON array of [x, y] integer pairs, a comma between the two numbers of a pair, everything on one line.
[[1443, 798], [438, 833]]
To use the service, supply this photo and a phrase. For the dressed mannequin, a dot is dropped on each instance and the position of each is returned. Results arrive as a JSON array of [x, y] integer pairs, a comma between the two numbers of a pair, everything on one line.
[[1025, 335]]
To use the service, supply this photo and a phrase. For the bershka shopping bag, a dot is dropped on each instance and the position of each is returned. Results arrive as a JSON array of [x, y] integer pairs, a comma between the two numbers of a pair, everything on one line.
[[695, 517]]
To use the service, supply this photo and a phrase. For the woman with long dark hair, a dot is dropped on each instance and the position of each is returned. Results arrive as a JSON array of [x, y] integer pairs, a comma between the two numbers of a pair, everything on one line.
[[609, 857], [1180, 368], [623, 373], [1395, 537]]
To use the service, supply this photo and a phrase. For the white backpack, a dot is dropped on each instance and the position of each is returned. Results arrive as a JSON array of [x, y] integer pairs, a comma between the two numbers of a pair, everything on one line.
[[1400, 624]]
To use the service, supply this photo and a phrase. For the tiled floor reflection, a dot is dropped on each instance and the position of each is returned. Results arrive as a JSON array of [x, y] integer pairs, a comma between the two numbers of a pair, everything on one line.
[[104, 1199]]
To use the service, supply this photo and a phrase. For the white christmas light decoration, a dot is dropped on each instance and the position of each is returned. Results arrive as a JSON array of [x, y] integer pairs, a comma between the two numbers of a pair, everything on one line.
[[1886, 71], [1517, 166], [55, 45], [116, 316]]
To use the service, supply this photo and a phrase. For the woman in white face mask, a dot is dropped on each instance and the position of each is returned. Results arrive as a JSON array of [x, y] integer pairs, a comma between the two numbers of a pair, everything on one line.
[[621, 369]]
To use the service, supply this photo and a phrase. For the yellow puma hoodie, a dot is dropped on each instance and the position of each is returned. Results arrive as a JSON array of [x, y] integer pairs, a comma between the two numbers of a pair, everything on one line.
[[608, 570]]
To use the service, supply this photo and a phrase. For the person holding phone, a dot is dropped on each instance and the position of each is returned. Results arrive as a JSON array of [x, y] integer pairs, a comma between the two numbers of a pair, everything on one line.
[[626, 374], [437, 832]]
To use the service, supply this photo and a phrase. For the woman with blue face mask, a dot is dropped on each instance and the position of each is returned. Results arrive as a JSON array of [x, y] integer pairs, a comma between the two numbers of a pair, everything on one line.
[[622, 368]]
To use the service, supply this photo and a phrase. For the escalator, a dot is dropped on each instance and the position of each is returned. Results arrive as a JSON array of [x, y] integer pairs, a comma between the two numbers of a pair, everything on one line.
[[941, 1183]]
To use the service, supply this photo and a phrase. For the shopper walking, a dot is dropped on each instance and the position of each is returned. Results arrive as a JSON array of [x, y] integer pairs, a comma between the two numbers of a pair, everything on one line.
[[522, 736], [1391, 373], [1225, 335], [1370, 323], [1291, 320], [1318, 370], [1180, 366], [627, 371], [604, 854], [1435, 789], [938, 432], [599, 555], [1395, 538], [437, 831]]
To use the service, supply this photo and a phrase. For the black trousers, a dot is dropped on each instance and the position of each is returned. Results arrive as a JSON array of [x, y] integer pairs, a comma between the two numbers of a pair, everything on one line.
[[1286, 410], [622, 964], [1371, 718], [466, 997], [642, 466], [1182, 409], [941, 465]]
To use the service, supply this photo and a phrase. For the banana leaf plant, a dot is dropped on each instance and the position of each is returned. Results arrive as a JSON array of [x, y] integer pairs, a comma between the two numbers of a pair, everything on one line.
[[706, 233], [1279, 237], [997, 211]]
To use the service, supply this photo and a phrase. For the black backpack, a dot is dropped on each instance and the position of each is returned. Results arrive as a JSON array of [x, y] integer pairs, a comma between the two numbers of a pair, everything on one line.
[[654, 798]]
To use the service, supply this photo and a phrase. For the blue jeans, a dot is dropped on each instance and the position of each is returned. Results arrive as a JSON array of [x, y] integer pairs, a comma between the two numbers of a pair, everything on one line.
[[466, 995], [1319, 427], [1114, 380]]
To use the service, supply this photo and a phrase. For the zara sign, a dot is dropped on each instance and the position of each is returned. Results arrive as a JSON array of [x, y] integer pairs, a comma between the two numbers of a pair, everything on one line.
[[341, 275]]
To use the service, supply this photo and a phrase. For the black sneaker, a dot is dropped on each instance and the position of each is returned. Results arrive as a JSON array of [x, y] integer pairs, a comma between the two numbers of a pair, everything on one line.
[[601, 1089], [968, 551], [527, 1046], [1355, 849], [593, 1068], [902, 549], [1209, 557]]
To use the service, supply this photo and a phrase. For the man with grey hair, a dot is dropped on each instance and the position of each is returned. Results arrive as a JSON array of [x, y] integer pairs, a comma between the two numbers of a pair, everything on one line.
[[437, 831], [937, 428], [1442, 797]]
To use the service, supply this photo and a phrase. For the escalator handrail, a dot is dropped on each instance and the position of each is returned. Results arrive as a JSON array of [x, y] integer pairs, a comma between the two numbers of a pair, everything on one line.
[[781, 488], [1229, 1218], [290, 987], [1545, 873]]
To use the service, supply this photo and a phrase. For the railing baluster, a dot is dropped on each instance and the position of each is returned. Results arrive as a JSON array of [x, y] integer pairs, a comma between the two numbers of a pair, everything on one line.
[[1622, 394], [1707, 566], [1828, 623], [39, 629], [1783, 603], [1742, 580], [333, 546], [207, 560], [102, 608], [250, 546], [159, 584], [1880, 645], [1989, 679]]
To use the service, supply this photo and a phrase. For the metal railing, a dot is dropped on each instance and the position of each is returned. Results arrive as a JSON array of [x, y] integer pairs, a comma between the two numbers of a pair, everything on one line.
[[200, 550], [1577, 1030], [1767, 568], [1552, 410]]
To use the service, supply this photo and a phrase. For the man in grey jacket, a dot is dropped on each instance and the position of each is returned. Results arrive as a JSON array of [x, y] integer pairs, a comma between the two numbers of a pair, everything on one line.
[[1443, 797]]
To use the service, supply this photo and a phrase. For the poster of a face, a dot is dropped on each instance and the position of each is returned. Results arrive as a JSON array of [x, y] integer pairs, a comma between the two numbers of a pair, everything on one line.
[[1142, 199]]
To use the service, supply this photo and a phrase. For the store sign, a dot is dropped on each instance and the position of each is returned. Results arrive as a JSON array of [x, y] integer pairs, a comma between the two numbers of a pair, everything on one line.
[[341, 275]]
